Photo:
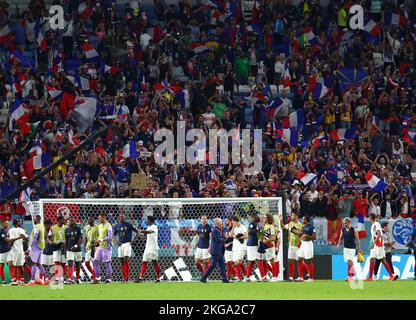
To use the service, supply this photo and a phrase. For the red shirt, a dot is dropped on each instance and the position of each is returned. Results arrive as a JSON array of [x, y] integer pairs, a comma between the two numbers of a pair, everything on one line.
[[360, 206]]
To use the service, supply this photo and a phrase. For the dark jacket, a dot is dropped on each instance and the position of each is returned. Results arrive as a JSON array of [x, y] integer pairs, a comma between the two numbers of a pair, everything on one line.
[[393, 207], [217, 242]]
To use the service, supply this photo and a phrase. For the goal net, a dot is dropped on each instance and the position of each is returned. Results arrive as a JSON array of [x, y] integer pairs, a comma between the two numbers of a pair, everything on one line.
[[176, 219]]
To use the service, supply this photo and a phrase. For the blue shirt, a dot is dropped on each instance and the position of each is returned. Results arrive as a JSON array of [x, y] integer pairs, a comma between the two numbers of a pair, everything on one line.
[[349, 238], [308, 229], [217, 242], [73, 235], [253, 229], [48, 249], [124, 232], [203, 233], [4, 246]]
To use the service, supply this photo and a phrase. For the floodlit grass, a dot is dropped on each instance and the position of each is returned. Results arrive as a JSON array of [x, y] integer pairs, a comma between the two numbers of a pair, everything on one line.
[[401, 290]]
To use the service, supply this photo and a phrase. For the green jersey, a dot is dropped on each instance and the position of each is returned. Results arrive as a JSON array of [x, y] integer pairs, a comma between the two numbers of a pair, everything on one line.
[[91, 234], [103, 233], [58, 233], [294, 239], [41, 236], [242, 66]]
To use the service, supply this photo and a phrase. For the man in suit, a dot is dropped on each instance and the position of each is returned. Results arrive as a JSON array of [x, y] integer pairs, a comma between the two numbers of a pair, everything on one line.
[[217, 252], [388, 207]]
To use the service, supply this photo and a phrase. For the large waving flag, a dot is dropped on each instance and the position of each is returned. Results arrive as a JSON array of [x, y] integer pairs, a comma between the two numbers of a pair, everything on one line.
[[19, 113], [291, 136], [342, 134], [294, 120], [394, 19], [88, 84], [361, 226], [85, 110], [129, 150], [306, 178], [6, 36], [351, 78], [37, 162], [374, 182], [23, 203], [67, 104]]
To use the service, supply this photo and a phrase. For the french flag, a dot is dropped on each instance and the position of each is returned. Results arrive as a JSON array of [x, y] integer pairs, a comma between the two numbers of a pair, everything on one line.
[[129, 150], [361, 226], [53, 92], [110, 69], [310, 36], [22, 206], [316, 143], [84, 11], [341, 134], [394, 19], [294, 120], [273, 108], [90, 52], [40, 40], [374, 182], [37, 162], [332, 175], [319, 91], [201, 50], [289, 135], [306, 178], [372, 28], [5, 35], [19, 113], [87, 84], [286, 77], [59, 136]]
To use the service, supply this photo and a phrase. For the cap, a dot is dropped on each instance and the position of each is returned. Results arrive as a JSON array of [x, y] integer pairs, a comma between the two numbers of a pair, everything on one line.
[[140, 142], [295, 182]]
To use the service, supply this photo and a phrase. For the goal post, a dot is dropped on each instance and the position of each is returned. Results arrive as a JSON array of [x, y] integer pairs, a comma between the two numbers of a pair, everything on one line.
[[177, 220]]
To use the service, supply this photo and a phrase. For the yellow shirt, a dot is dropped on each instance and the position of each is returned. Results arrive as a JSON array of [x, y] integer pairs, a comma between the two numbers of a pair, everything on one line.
[[342, 18]]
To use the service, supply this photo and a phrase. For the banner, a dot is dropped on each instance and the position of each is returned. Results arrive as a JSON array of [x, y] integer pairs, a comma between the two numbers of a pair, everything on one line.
[[404, 266], [327, 231], [401, 231]]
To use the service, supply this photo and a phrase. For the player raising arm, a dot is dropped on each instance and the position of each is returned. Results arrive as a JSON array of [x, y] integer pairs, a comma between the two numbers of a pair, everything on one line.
[[151, 251], [73, 241], [351, 243], [103, 252], [123, 233]]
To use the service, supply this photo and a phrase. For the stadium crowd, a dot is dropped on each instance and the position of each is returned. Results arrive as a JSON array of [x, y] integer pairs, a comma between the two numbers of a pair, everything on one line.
[[337, 105]]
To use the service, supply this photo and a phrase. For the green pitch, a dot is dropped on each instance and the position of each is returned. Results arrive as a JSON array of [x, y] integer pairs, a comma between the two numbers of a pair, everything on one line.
[[217, 291]]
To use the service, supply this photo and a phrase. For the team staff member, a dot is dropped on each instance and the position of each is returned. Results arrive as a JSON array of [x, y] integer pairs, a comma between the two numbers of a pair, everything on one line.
[[217, 252], [305, 253], [351, 243]]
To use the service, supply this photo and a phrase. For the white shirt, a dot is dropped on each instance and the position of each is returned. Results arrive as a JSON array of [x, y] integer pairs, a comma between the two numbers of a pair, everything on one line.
[[241, 229], [374, 228], [313, 195], [279, 67], [144, 40], [388, 209], [18, 244], [151, 240]]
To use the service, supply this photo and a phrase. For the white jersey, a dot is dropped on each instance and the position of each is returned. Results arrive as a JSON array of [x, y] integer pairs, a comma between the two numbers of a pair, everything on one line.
[[241, 229], [151, 240], [18, 244], [374, 228]]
